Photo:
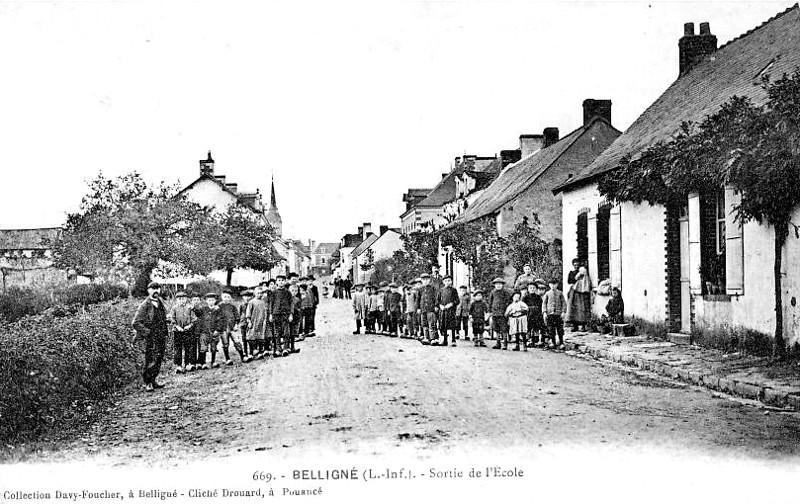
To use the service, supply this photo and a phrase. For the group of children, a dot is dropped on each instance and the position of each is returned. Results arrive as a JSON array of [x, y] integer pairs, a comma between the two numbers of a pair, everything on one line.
[[269, 321], [432, 311]]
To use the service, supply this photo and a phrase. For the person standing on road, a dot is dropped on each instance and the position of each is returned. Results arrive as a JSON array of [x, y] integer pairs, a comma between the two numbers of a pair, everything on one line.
[[478, 310], [359, 307], [310, 325], [499, 299], [554, 308], [428, 296], [348, 285], [448, 301], [247, 296], [280, 314], [181, 320], [308, 303], [533, 300], [256, 315], [373, 310], [462, 311], [412, 304], [517, 313], [230, 333], [394, 307], [150, 323]]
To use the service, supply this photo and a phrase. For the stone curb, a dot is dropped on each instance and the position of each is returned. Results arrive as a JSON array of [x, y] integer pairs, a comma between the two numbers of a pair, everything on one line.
[[766, 395]]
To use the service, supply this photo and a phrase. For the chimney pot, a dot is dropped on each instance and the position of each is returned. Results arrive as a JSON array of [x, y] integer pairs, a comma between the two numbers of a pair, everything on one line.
[[528, 144], [384, 229], [550, 136], [695, 48], [688, 29], [705, 29]]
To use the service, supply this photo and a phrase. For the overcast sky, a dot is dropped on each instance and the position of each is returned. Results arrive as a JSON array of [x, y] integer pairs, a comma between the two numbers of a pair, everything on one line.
[[347, 103]]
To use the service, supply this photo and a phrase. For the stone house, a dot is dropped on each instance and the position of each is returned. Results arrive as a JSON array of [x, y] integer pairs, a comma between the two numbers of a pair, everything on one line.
[[374, 247], [26, 258], [662, 257]]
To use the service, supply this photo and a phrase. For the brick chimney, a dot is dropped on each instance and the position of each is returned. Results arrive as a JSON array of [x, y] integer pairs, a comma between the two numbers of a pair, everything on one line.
[[692, 48], [596, 108], [232, 187], [207, 166], [367, 230], [510, 156], [361, 232], [528, 144], [550, 136], [384, 229]]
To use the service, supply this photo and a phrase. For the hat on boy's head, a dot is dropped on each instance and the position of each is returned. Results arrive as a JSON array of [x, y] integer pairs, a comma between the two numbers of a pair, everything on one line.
[[311, 277], [281, 276], [227, 291], [498, 280], [384, 284], [553, 281], [392, 285], [417, 280], [247, 293], [154, 285], [211, 295], [181, 294], [359, 285], [424, 276], [194, 294], [303, 279], [293, 275], [477, 292], [463, 287], [540, 281], [448, 277]]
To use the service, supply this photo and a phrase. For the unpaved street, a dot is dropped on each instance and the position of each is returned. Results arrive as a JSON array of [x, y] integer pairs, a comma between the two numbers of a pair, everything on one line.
[[370, 395]]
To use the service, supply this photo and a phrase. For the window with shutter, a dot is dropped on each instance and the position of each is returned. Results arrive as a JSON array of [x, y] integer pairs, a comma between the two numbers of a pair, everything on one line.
[[734, 245]]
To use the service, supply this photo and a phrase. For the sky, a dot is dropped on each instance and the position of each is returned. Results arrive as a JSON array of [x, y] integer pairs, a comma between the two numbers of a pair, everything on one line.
[[346, 103]]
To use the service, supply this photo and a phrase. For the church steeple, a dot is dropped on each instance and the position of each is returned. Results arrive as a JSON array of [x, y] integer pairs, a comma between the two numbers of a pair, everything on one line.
[[272, 203], [273, 216]]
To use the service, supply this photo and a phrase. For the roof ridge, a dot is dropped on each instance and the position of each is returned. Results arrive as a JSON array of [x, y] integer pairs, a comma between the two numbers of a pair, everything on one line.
[[751, 30]]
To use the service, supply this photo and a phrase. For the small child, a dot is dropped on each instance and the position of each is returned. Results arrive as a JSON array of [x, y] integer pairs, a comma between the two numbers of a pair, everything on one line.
[[615, 311], [462, 311], [182, 319], [308, 304], [517, 313], [394, 308], [247, 296], [373, 309], [215, 323], [554, 308], [231, 316], [298, 312], [383, 326], [533, 300], [478, 310], [359, 307]]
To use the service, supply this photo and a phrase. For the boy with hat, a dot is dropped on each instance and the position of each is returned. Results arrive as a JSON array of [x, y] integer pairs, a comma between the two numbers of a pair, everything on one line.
[[373, 309], [257, 313], [280, 314], [412, 304], [308, 307], [312, 287], [150, 323], [359, 307], [297, 316], [462, 311], [427, 310], [182, 319], [479, 311], [394, 308], [247, 296], [499, 299], [202, 312], [554, 307], [230, 334], [533, 300], [216, 326], [447, 301], [382, 320]]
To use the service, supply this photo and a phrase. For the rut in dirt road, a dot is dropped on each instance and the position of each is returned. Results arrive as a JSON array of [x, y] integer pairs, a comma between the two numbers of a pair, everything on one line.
[[352, 393]]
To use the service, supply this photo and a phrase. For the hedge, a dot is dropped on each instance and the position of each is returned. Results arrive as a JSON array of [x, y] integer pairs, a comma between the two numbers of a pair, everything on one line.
[[18, 302], [56, 365]]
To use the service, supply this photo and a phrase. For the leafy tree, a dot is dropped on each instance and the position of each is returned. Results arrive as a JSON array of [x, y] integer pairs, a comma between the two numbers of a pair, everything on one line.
[[422, 248], [124, 228], [526, 246], [478, 245], [755, 149], [369, 260], [238, 239]]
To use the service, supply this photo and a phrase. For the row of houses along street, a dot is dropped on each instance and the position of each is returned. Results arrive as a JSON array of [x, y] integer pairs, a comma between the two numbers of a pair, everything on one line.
[[687, 267]]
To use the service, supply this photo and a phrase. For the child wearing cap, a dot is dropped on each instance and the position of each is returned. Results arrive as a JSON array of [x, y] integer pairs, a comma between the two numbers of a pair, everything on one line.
[[499, 299], [298, 312], [202, 312], [181, 319], [462, 311], [411, 305], [373, 309], [448, 301], [280, 314], [382, 319], [308, 306], [394, 309], [247, 296], [428, 308], [359, 307], [533, 300], [230, 333], [478, 311], [256, 314], [517, 313], [215, 326], [554, 307]]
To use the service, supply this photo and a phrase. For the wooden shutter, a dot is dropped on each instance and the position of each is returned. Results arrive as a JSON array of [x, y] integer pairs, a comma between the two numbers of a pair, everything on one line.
[[734, 245], [592, 256], [695, 281], [615, 245]]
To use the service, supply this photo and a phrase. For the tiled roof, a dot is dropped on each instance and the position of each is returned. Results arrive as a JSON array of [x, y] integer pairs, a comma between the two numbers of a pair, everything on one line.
[[444, 192], [27, 239], [517, 177], [734, 69], [330, 248], [364, 245], [246, 199]]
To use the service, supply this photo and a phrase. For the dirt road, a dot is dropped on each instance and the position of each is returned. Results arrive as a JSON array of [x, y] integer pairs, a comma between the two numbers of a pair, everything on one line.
[[373, 394]]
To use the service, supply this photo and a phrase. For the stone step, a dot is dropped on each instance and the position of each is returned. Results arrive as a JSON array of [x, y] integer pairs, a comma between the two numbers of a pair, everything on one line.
[[679, 338]]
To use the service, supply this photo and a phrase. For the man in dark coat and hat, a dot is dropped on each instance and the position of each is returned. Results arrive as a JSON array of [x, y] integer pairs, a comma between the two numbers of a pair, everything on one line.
[[150, 323]]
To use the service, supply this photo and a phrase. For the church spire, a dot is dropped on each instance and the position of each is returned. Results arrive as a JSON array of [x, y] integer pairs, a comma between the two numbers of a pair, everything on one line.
[[272, 203]]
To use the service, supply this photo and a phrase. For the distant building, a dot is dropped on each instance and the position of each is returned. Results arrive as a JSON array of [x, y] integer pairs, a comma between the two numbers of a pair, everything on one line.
[[322, 258], [26, 258], [375, 247]]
